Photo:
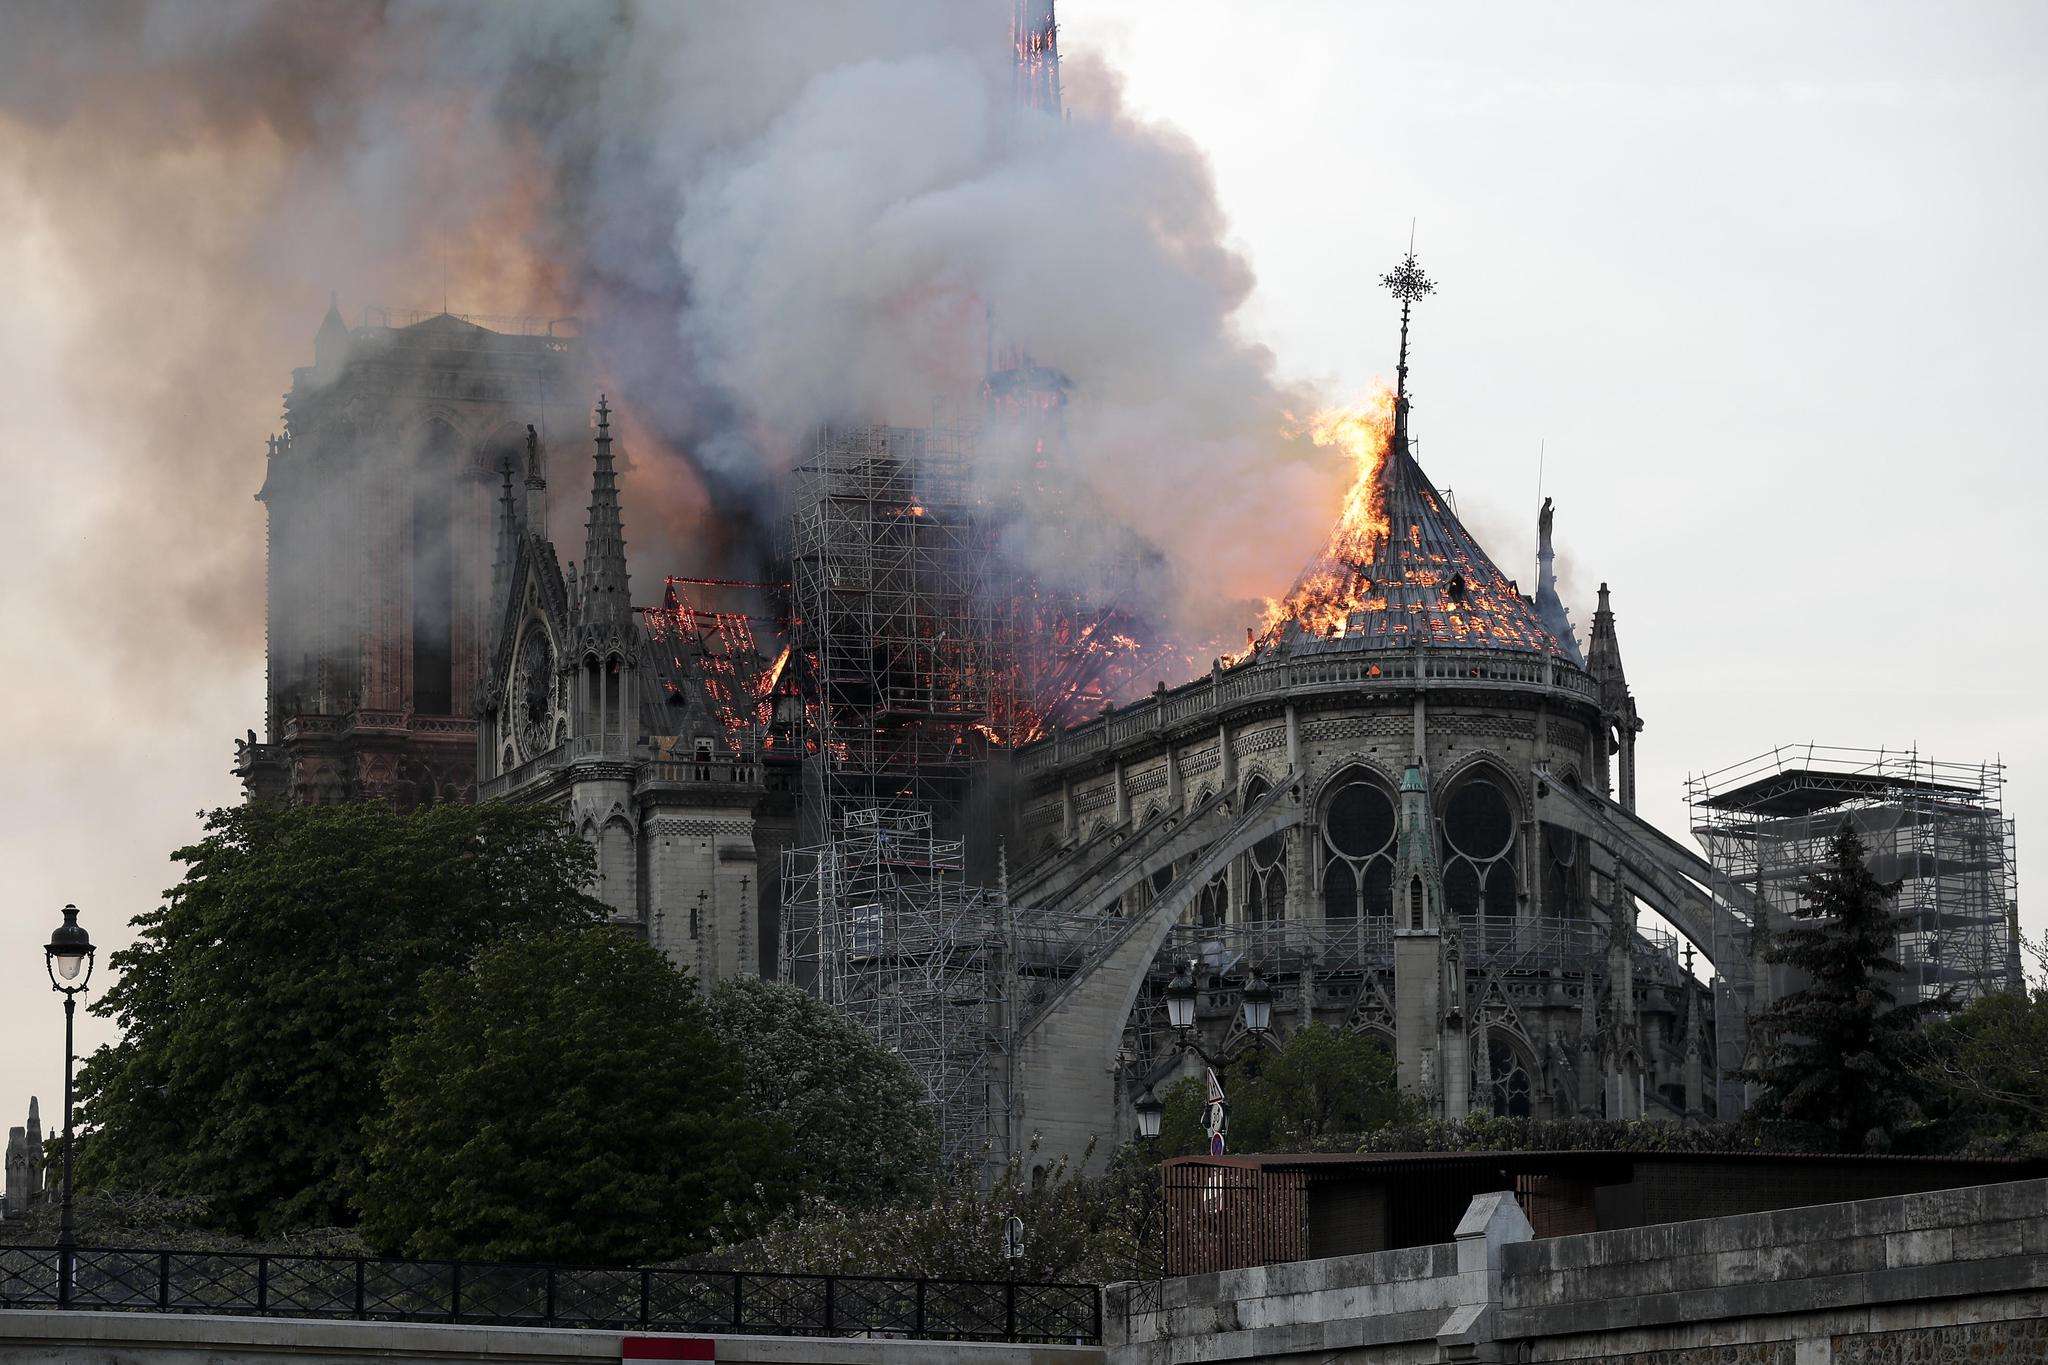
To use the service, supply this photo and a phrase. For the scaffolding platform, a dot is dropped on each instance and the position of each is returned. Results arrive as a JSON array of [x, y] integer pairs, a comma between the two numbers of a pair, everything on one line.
[[1938, 829]]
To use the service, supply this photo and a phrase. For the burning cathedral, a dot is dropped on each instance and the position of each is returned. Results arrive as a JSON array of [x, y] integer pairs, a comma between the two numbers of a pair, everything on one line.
[[895, 775]]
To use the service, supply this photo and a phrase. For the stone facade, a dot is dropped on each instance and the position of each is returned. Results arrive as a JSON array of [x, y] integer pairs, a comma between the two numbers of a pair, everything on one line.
[[379, 497], [582, 707]]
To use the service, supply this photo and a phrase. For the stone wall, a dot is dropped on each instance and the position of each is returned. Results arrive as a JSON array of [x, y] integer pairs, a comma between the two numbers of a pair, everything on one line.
[[48, 1338], [1921, 1279]]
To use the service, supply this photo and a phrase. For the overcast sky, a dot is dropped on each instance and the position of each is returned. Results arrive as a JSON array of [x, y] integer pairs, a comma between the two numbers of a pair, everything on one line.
[[1765, 281]]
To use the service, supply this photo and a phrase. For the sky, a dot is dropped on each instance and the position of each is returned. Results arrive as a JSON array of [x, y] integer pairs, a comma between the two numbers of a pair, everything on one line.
[[1762, 283]]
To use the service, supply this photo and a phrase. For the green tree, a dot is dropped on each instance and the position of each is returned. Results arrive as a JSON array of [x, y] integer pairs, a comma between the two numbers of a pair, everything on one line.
[[1988, 1067], [1318, 1085], [1836, 1058], [565, 1099], [861, 1132], [259, 1001]]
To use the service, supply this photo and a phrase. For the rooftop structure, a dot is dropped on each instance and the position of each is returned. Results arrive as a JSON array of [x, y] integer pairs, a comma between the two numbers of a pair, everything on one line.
[[1938, 829]]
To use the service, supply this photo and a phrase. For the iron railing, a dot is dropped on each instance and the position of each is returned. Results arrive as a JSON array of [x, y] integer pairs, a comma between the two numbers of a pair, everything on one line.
[[480, 1293]]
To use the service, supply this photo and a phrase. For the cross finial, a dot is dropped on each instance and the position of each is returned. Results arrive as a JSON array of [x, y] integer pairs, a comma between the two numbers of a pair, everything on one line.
[[1407, 283], [1406, 280]]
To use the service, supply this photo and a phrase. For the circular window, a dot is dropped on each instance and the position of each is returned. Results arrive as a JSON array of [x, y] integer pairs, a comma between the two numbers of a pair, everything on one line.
[[1361, 821], [1477, 820]]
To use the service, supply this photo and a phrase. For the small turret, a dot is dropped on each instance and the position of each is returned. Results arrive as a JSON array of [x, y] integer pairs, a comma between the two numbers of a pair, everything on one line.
[[1418, 882], [1619, 719], [606, 605], [331, 342]]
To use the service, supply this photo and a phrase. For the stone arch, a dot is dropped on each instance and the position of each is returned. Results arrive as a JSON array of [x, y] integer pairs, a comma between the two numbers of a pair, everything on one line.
[[1514, 1072], [1498, 766], [617, 861], [1336, 769]]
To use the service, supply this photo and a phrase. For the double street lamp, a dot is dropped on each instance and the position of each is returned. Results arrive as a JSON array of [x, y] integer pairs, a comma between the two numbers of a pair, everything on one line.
[[68, 959], [1255, 1004]]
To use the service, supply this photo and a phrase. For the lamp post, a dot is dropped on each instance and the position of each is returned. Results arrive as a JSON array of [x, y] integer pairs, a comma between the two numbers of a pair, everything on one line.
[[68, 959], [1255, 1003]]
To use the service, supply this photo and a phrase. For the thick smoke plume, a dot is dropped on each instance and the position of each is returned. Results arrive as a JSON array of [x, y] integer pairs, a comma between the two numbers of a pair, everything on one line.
[[768, 215]]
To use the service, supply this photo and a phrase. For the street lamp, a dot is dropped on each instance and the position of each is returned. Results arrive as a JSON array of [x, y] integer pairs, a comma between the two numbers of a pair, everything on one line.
[[1257, 1005], [1150, 1111], [1180, 1000], [68, 959]]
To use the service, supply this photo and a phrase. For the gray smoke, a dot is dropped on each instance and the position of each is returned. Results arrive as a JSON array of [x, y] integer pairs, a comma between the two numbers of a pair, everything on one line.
[[769, 215]]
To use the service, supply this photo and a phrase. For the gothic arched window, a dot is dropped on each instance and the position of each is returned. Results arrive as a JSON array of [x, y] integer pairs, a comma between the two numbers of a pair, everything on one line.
[[1358, 849], [1511, 1095], [1264, 871], [1478, 824], [1563, 877], [1212, 902]]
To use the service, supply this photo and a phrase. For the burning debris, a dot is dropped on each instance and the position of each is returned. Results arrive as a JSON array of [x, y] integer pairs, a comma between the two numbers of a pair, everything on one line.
[[741, 682]]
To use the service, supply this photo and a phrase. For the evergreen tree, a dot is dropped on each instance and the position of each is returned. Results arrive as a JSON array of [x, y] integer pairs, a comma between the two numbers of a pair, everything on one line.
[[1837, 1058]]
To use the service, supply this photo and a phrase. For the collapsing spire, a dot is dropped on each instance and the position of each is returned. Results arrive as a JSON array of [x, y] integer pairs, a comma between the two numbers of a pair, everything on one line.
[[605, 600]]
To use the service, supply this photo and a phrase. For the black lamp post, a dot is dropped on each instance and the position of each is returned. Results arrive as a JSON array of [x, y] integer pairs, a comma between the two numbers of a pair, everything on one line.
[[68, 959], [1255, 1002]]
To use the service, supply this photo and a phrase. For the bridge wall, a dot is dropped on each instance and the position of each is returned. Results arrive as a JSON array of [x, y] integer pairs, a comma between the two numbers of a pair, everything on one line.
[[1923, 1279], [40, 1337]]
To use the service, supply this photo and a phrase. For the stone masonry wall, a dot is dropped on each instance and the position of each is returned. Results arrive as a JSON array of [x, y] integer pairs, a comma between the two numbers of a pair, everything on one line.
[[1921, 1279]]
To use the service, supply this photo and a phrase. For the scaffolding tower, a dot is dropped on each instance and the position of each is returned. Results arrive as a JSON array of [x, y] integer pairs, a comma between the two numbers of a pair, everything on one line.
[[1939, 829], [880, 922], [892, 623]]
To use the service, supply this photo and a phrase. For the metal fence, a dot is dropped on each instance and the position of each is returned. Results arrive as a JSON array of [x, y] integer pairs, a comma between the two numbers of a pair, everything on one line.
[[485, 1294]]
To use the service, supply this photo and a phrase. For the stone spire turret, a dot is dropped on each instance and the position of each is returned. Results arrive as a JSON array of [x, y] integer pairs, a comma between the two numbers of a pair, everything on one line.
[[331, 343], [504, 542], [1618, 715], [605, 603]]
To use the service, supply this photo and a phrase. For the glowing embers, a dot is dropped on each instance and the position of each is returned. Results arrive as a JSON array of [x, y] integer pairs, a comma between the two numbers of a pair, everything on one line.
[[1341, 581], [719, 651], [1398, 570]]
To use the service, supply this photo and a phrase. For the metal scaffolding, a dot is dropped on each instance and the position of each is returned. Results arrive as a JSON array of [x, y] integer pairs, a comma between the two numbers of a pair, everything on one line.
[[882, 925], [892, 623], [1939, 829]]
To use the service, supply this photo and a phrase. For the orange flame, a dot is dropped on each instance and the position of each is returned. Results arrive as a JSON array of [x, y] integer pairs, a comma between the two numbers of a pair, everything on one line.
[[1338, 580]]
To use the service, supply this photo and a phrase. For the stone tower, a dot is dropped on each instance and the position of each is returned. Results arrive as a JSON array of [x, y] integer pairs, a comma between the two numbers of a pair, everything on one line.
[[380, 498], [25, 1163], [1618, 712]]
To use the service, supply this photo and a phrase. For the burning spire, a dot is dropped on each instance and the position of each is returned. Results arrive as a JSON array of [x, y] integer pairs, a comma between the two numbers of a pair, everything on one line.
[[1398, 569]]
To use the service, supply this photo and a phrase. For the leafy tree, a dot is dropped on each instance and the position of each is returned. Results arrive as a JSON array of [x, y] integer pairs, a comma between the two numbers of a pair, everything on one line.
[[565, 1099], [1988, 1067], [860, 1130], [259, 1002], [1319, 1084], [1837, 1057]]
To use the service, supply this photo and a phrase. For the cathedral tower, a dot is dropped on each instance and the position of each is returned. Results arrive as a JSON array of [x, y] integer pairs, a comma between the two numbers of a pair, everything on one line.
[[381, 495]]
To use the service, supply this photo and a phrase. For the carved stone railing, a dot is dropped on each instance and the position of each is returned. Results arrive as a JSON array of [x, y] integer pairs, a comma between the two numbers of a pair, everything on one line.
[[1311, 670]]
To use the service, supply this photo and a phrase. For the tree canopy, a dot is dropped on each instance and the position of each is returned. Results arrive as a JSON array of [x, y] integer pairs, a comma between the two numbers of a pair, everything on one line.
[[259, 1002], [1837, 1057], [565, 1099], [1988, 1068], [1320, 1083], [860, 1130]]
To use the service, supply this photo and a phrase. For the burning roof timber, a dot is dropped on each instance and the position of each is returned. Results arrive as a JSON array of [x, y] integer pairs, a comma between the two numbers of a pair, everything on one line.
[[1399, 570]]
